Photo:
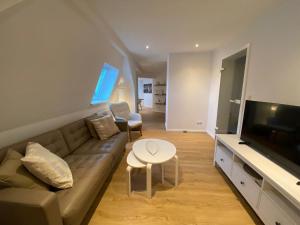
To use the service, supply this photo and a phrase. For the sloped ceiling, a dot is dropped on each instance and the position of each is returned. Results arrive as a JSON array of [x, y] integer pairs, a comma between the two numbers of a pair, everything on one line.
[[50, 59], [176, 25]]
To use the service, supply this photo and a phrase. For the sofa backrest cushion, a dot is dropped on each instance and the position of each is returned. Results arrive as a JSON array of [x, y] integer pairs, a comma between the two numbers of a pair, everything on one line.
[[52, 140], [14, 174], [76, 134]]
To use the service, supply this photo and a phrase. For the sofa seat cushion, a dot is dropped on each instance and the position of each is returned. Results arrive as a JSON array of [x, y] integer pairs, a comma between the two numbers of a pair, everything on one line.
[[114, 145], [89, 174]]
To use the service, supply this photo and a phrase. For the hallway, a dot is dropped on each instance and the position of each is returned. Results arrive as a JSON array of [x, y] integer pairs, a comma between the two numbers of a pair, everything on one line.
[[152, 120]]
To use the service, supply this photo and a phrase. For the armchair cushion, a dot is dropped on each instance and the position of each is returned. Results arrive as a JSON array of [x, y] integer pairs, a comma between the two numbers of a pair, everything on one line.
[[135, 116], [134, 123]]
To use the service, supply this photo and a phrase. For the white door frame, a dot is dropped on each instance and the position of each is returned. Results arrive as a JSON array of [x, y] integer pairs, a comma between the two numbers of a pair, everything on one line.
[[243, 97]]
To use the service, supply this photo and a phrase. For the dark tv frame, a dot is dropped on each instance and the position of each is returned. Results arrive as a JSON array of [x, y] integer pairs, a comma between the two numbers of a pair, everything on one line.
[[283, 162]]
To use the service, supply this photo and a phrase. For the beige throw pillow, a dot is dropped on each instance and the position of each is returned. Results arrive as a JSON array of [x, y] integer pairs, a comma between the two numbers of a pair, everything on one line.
[[91, 125], [14, 174], [105, 127], [47, 166]]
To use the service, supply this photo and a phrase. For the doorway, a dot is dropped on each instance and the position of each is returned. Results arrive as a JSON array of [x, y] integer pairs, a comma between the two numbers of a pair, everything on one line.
[[145, 93], [231, 93], [151, 102]]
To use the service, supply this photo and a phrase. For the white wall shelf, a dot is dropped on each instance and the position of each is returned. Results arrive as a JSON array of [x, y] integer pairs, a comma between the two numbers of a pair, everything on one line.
[[159, 96], [271, 191]]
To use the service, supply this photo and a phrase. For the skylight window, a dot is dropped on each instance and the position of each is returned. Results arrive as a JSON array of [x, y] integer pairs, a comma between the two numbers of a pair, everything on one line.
[[106, 83]]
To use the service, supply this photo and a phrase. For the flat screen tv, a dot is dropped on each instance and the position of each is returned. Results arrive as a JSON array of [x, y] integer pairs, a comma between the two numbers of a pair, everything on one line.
[[274, 131]]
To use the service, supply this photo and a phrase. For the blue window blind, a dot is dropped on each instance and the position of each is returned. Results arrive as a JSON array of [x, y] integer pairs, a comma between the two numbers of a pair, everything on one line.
[[106, 83]]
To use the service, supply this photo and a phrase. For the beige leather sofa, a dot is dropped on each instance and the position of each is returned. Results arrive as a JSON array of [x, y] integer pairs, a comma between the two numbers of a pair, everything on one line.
[[92, 163]]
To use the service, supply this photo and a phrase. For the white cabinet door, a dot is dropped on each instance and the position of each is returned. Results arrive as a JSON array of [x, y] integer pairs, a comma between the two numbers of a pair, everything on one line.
[[271, 214], [245, 184], [224, 160]]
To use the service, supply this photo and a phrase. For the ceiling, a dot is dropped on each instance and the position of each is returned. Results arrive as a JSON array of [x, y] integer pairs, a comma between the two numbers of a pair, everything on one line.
[[176, 25]]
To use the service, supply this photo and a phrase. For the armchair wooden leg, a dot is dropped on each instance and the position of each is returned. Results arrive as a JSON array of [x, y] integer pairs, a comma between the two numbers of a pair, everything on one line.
[[141, 132], [130, 138]]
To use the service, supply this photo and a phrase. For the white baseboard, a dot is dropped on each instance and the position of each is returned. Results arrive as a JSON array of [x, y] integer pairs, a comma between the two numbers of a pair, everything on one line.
[[188, 130], [21, 133], [211, 133]]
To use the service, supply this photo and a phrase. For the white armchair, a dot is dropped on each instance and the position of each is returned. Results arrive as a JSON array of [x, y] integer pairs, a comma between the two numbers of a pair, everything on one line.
[[122, 112]]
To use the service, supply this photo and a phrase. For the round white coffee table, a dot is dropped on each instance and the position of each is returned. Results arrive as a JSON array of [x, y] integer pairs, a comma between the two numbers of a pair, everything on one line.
[[155, 151]]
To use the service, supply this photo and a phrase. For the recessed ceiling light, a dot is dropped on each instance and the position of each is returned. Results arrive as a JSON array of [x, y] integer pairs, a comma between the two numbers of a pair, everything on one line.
[[197, 45], [147, 47]]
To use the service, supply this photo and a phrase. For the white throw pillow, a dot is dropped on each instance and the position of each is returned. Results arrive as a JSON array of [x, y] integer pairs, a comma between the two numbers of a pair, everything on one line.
[[47, 166]]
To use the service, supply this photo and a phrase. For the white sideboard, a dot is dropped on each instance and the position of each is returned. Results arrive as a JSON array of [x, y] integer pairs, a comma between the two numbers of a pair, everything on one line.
[[270, 190]]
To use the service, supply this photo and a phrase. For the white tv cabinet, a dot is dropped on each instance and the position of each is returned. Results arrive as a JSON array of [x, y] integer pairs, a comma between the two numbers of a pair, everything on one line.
[[270, 190]]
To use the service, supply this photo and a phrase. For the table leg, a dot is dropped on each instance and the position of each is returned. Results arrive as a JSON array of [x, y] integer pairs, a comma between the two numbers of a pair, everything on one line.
[[176, 170], [129, 168], [162, 173], [149, 180]]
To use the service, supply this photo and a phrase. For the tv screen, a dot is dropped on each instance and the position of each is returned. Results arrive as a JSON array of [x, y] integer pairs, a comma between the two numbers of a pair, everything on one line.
[[274, 131]]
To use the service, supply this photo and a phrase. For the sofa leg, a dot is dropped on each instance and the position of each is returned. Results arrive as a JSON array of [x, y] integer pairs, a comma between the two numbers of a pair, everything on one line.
[[141, 132]]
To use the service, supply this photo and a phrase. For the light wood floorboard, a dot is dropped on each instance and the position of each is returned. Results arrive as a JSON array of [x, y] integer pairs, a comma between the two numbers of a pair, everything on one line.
[[203, 196], [152, 120]]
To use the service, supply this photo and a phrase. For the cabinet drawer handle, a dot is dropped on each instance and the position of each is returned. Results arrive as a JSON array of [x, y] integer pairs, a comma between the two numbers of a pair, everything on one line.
[[222, 160], [242, 182], [277, 223]]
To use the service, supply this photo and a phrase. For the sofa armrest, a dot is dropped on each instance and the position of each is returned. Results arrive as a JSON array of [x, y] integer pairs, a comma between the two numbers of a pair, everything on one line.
[[135, 116], [27, 206], [122, 125]]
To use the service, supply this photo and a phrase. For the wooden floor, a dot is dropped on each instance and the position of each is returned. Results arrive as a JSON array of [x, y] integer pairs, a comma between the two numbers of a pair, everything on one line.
[[152, 120], [202, 198]]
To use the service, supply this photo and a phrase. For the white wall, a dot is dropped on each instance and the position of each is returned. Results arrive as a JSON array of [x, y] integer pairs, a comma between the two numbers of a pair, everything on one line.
[[188, 81], [50, 59], [140, 88], [273, 73]]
